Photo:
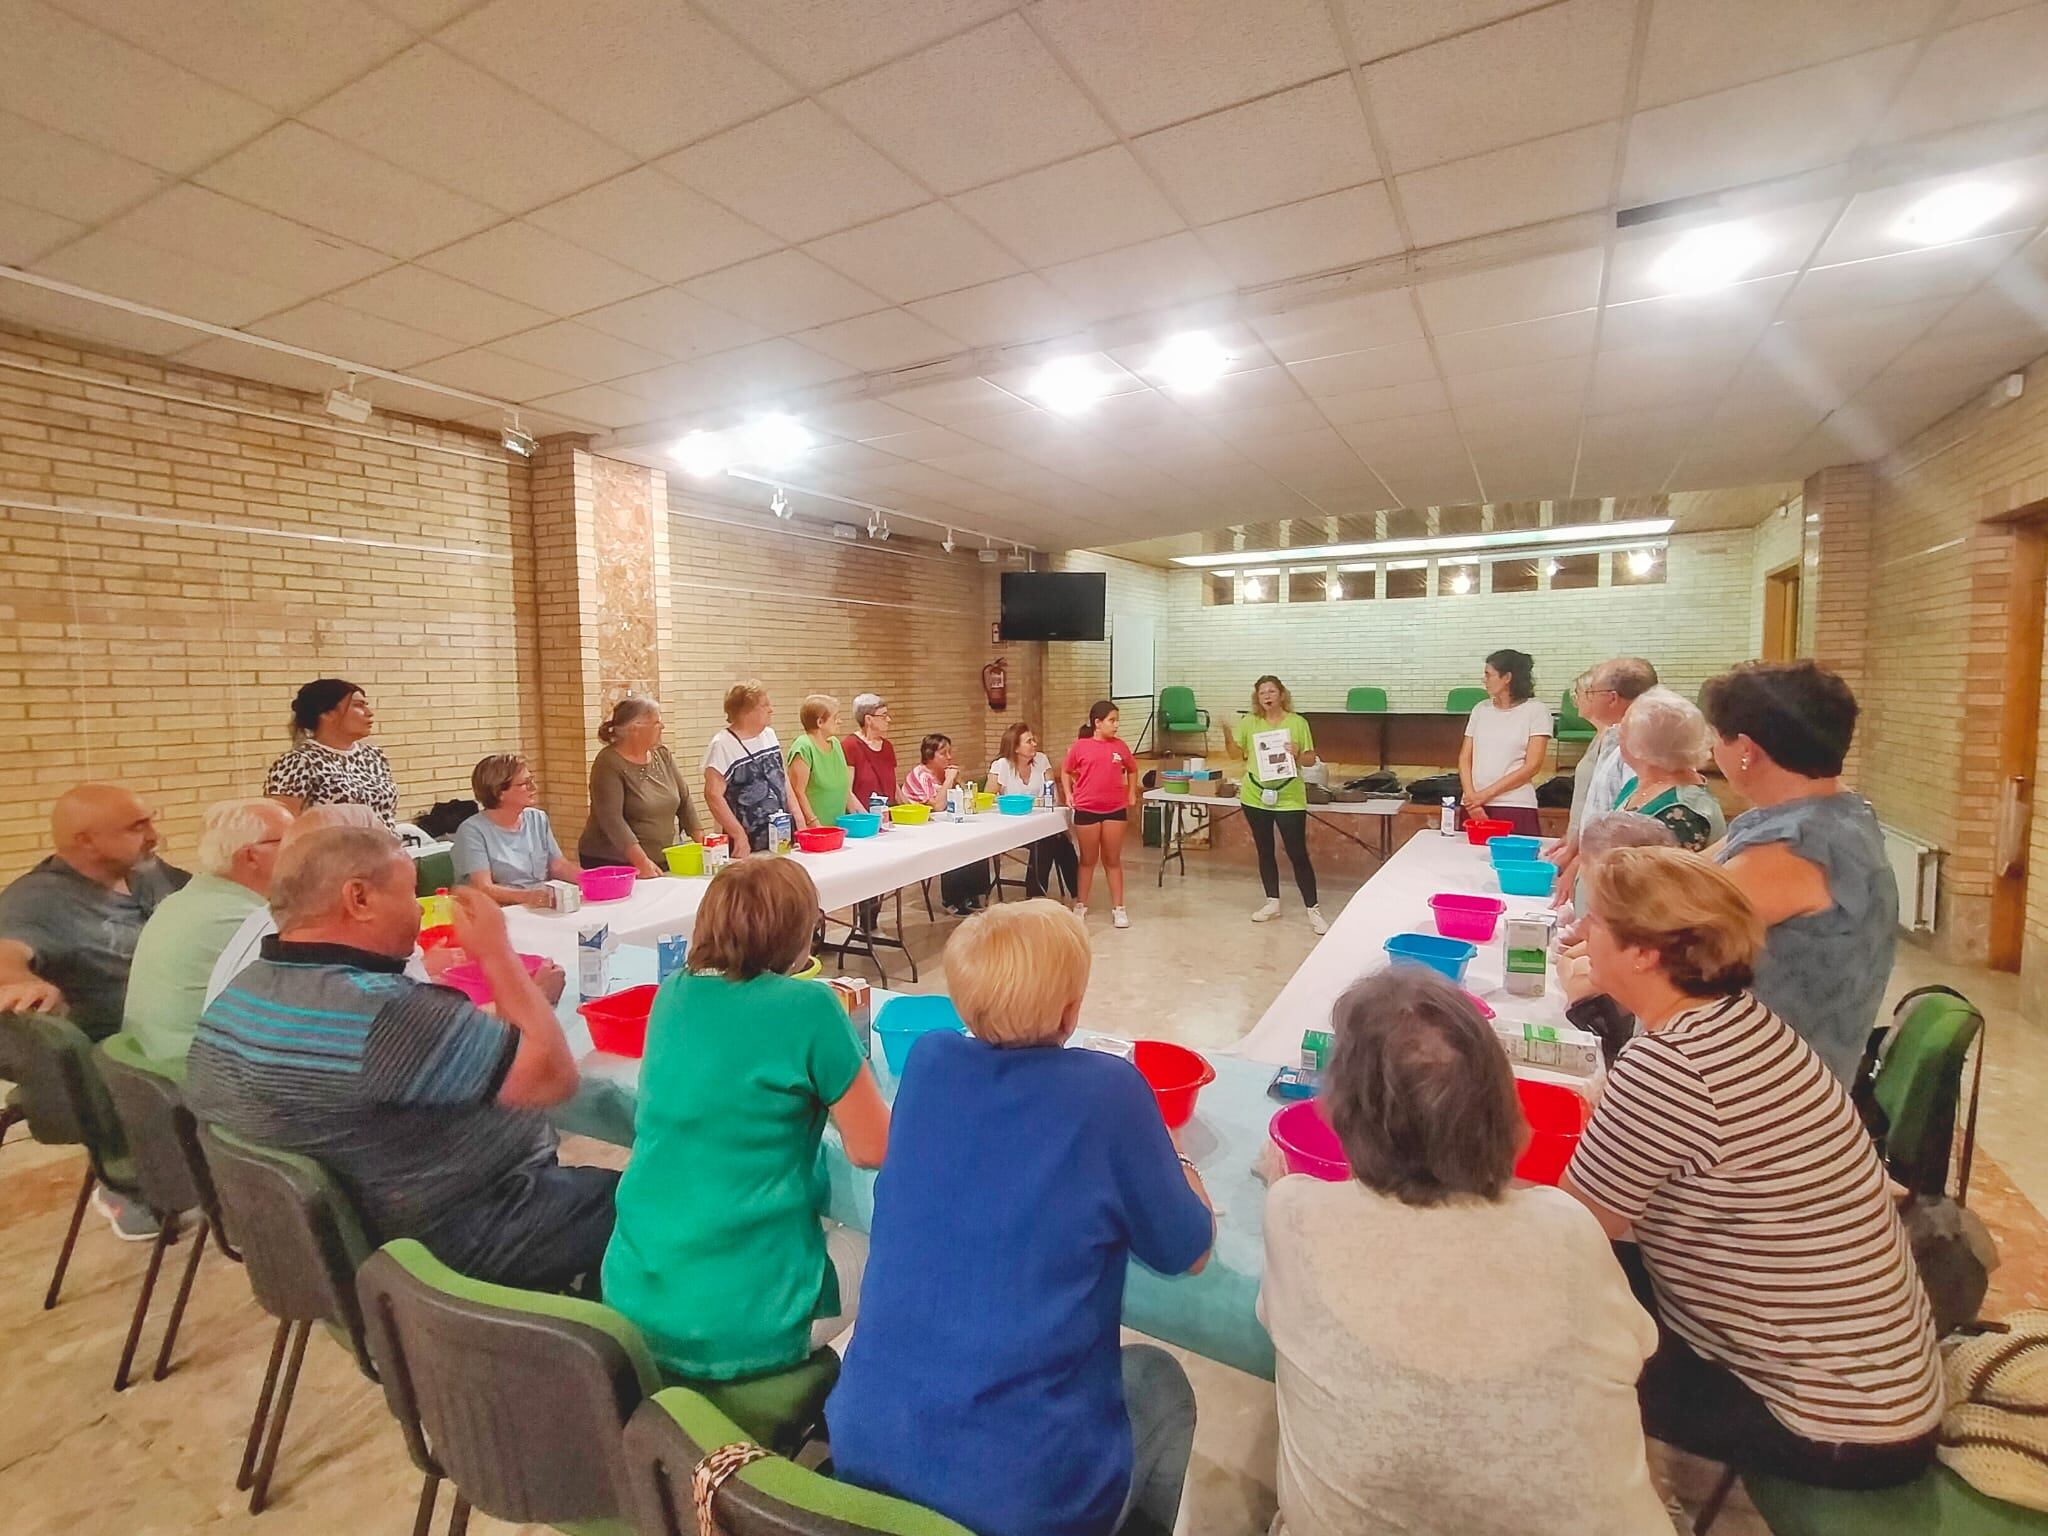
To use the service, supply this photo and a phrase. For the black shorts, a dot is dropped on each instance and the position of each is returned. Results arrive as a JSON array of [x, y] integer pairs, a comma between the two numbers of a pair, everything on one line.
[[1097, 818]]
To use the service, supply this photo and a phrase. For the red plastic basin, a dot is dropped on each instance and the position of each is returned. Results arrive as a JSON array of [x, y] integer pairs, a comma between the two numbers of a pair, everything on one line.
[[1472, 918], [440, 936], [1557, 1119], [1484, 831], [1176, 1074], [820, 839], [618, 1024], [467, 977], [1307, 1144], [609, 883]]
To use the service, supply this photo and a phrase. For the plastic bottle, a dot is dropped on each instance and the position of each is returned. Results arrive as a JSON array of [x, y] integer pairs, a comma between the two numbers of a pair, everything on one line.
[[1447, 822], [878, 805]]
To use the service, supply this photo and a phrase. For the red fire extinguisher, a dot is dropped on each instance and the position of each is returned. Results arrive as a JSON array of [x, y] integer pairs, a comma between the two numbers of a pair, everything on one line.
[[995, 683]]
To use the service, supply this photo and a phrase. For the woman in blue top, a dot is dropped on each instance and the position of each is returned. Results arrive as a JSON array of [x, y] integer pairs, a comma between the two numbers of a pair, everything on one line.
[[1809, 856], [985, 1379], [508, 850]]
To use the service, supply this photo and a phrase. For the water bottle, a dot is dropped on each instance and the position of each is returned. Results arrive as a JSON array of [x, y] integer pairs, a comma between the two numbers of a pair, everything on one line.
[[1047, 797], [1447, 823]]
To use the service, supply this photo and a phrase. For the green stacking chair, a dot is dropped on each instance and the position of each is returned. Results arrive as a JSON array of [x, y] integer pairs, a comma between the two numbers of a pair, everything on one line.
[[1573, 726], [676, 1430], [1178, 715], [1366, 701], [434, 872], [1939, 1503], [1919, 1086], [1462, 701], [62, 1096]]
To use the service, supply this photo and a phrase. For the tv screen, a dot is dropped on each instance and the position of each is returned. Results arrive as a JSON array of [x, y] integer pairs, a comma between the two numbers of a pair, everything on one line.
[[1053, 605]]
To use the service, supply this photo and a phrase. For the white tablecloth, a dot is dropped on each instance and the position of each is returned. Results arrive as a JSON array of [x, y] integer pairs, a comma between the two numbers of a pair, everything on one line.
[[865, 867], [1382, 807]]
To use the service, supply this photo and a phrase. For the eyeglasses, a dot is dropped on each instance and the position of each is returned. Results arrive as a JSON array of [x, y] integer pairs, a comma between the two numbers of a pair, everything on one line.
[[525, 781]]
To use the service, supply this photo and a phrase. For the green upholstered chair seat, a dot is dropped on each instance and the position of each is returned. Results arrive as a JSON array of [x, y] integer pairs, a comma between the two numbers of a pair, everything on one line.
[[779, 1408], [1919, 1085], [1366, 701], [1573, 726], [1178, 712], [1462, 701], [1938, 1504], [434, 872]]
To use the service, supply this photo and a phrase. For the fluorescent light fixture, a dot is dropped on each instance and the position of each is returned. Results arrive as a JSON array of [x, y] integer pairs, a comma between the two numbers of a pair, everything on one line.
[[1641, 561], [1705, 259], [703, 454], [1068, 384], [774, 441], [1954, 212], [1190, 363], [1518, 539], [1461, 581]]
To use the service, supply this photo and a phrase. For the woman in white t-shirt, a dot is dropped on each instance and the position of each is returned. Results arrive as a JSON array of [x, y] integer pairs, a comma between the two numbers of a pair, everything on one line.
[[745, 781], [1506, 741], [1021, 769]]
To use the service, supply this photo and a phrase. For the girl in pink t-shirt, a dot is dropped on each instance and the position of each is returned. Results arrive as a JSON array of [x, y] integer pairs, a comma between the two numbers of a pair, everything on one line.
[[1101, 780]]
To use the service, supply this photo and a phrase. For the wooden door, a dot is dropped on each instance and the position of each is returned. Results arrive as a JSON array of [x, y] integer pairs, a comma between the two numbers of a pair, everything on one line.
[[2019, 727], [1781, 614]]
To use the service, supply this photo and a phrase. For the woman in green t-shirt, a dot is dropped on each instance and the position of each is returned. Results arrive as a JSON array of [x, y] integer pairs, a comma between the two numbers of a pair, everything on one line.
[[820, 777], [718, 1255], [1275, 744]]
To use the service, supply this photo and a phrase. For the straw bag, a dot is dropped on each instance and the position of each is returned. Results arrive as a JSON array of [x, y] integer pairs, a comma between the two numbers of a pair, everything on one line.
[[1995, 1435]]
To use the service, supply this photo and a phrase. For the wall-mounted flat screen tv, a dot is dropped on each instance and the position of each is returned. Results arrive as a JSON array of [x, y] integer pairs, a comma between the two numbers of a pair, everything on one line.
[[1054, 605]]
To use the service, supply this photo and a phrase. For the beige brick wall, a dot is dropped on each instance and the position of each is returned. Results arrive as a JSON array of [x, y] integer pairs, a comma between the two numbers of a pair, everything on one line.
[[1077, 671], [240, 543]]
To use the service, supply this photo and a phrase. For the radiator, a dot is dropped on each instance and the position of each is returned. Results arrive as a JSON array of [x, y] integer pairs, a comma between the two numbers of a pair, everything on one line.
[[1916, 867]]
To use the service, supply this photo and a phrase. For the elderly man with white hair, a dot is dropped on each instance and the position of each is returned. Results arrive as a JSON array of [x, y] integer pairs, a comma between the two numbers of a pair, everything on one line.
[[185, 936], [426, 1109]]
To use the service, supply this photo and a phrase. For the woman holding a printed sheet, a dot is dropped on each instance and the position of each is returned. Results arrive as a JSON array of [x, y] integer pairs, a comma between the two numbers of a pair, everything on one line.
[[1275, 743]]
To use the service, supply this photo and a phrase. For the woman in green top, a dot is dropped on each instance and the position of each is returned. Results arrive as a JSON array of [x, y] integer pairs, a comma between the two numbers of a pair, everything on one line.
[[820, 777], [1275, 743], [1663, 741], [718, 1255]]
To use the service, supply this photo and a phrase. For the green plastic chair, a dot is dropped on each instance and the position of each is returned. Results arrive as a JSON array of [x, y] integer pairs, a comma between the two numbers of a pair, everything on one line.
[[64, 1100], [1462, 701], [434, 872], [1366, 701], [1939, 1503], [1178, 715], [1919, 1086], [676, 1430], [1573, 726]]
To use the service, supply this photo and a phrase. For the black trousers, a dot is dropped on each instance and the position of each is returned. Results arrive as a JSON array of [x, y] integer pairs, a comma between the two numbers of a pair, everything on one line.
[[1293, 827], [538, 1228], [1707, 1409], [1049, 854]]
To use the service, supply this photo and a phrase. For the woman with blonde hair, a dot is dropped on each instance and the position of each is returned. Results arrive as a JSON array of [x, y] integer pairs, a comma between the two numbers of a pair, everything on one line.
[[1274, 796], [507, 849], [1663, 743], [718, 1255], [1022, 1179], [745, 781], [637, 797], [820, 777], [1021, 769], [1747, 1202]]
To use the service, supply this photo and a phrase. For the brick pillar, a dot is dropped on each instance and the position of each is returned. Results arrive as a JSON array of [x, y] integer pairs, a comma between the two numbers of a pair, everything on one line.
[[565, 623], [1843, 496]]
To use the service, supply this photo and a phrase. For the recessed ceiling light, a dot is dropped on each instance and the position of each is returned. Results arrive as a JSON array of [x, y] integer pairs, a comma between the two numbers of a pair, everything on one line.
[[1461, 582], [1954, 212], [1190, 362], [1641, 562], [703, 454], [774, 441], [1709, 258], [1254, 589], [1069, 384]]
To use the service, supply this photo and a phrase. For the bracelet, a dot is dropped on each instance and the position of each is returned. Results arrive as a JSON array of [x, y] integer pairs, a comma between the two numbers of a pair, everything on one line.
[[1187, 1162]]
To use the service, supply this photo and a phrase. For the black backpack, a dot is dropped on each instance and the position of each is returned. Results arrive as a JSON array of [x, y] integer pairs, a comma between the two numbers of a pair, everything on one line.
[[1436, 788]]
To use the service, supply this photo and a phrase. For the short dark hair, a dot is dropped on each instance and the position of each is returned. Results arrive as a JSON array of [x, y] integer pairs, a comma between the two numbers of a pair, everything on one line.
[[316, 699], [929, 747], [1098, 712], [1629, 676], [1519, 668], [1800, 714], [1419, 1091]]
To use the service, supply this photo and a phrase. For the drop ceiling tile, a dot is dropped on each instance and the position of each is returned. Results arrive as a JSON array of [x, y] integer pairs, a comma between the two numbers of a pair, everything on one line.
[[817, 42], [1267, 421], [1561, 67], [1389, 402], [743, 375], [1340, 325], [645, 221], [2014, 301], [673, 323], [219, 232], [1408, 362], [1431, 485], [164, 280], [79, 80], [1382, 27], [1870, 226], [1699, 46], [450, 122], [1987, 354], [1242, 349], [1495, 420], [578, 351], [1737, 312], [840, 458], [1277, 150], [1025, 432], [283, 53], [1139, 278], [1529, 290], [26, 233], [1426, 433], [1154, 62], [973, 109], [324, 326], [1973, 74], [319, 181], [1320, 234], [1246, 391], [957, 401], [1549, 178], [1116, 380], [1094, 202], [597, 403], [428, 301], [1505, 346], [886, 339], [53, 172], [1884, 280], [916, 254], [1648, 377], [485, 372], [239, 360], [1786, 239], [1561, 377], [524, 262], [787, 291], [648, 77], [1789, 123], [798, 172], [859, 420], [1008, 310]]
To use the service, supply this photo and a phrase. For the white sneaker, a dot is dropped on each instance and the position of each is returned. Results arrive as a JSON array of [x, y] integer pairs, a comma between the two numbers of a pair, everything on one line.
[[130, 1219], [1081, 912], [1317, 921], [1116, 916], [1268, 912]]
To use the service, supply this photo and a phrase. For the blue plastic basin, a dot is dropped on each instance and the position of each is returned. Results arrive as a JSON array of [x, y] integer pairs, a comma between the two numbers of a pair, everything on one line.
[[1447, 957]]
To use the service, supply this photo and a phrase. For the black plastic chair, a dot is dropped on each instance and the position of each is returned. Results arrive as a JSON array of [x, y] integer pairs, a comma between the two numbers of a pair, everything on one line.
[[170, 1168], [65, 1102]]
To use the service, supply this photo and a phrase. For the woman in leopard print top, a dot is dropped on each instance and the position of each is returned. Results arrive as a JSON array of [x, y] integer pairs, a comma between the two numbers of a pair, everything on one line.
[[331, 761]]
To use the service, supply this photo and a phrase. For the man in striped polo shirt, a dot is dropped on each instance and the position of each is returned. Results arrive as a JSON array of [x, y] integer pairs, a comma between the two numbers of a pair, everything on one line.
[[1794, 1334], [426, 1109]]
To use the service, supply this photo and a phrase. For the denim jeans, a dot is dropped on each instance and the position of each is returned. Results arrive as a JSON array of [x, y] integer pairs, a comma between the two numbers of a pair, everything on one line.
[[539, 1228], [1161, 1406]]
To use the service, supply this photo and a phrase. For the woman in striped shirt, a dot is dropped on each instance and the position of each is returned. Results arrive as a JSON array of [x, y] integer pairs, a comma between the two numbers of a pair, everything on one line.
[[1794, 1336]]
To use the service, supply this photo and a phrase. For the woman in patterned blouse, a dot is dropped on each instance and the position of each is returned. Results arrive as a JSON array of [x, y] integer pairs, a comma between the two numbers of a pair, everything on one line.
[[1663, 743], [332, 761]]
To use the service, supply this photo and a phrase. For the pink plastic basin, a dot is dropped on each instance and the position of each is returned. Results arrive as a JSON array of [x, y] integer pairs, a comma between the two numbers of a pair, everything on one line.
[[609, 883], [1307, 1144], [467, 977], [1472, 918]]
